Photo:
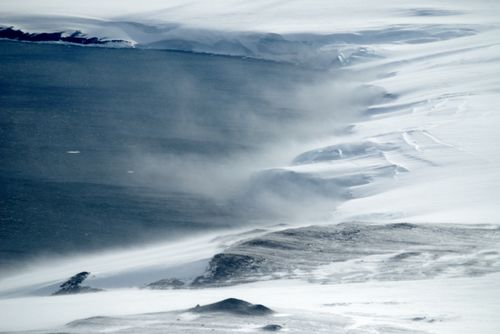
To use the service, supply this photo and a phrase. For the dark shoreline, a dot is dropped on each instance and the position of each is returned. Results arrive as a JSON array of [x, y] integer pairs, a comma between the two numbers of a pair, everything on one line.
[[76, 37]]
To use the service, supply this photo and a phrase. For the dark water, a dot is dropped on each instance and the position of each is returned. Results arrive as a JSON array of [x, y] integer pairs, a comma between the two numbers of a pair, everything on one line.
[[120, 108]]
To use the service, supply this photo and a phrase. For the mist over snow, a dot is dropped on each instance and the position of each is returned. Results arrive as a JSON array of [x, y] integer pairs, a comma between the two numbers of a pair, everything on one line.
[[335, 161]]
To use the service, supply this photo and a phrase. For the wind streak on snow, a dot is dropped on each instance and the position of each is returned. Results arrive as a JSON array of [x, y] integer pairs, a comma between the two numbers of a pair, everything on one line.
[[117, 268]]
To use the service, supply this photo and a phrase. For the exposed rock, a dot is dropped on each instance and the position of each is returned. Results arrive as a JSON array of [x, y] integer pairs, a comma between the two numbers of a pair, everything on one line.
[[76, 37], [225, 267], [73, 285], [167, 283], [234, 306], [271, 328]]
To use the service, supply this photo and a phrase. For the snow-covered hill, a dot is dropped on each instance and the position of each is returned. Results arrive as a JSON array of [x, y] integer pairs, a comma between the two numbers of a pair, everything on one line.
[[317, 34]]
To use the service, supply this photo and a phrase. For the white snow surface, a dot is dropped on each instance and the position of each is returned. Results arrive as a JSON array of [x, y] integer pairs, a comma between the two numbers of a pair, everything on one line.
[[444, 123], [430, 152], [461, 305], [299, 16], [312, 33]]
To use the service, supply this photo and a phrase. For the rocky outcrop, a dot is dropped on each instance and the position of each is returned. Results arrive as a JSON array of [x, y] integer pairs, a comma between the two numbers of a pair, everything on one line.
[[234, 306], [395, 251], [76, 37], [167, 284], [73, 285], [398, 251], [272, 328], [228, 267]]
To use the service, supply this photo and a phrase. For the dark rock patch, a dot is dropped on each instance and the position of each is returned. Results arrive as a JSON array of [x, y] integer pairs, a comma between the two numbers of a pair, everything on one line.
[[224, 267], [271, 328], [167, 283], [76, 37], [234, 306], [73, 285]]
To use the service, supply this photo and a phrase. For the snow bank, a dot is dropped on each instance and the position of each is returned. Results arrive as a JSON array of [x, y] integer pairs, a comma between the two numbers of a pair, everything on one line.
[[446, 306], [319, 34]]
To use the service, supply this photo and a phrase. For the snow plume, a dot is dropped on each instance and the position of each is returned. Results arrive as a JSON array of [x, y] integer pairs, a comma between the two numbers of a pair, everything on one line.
[[262, 138], [157, 145], [287, 120]]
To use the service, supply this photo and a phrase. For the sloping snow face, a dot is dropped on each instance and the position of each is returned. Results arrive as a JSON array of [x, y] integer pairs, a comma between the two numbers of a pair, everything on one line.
[[317, 34], [358, 252], [421, 149], [443, 122]]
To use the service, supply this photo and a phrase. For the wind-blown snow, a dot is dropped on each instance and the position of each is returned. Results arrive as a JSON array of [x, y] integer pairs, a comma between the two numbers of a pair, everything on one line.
[[426, 152]]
